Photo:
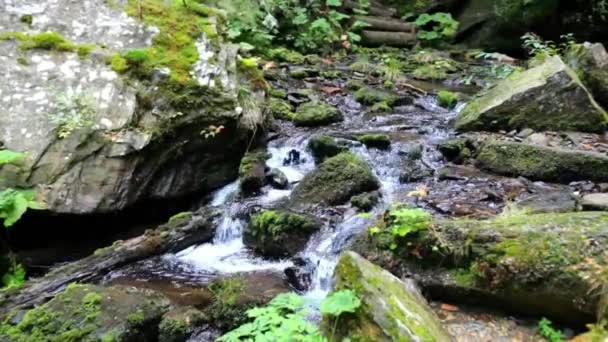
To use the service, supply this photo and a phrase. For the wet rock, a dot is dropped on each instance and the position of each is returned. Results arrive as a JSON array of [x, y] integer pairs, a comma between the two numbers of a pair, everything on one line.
[[413, 151], [370, 96], [323, 147], [277, 179], [335, 181], [414, 171], [279, 233], [300, 275], [89, 312], [590, 61], [301, 73], [376, 140], [542, 162], [366, 201], [252, 172], [456, 150], [279, 109], [547, 97], [524, 133], [532, 264], [354, 85], [312, 114], [595, 201], [391, 309], [548, 202], [179, 324]]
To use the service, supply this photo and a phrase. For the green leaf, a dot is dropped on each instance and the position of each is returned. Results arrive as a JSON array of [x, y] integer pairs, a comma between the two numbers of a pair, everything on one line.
[[8, 156], [340, 302], [373, 231], [334, 3], [15, 277], [17, 209]]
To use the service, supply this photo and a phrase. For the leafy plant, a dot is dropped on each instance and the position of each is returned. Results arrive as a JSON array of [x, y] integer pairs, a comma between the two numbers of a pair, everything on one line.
[[539, 49], [15, 276], [338, 303], [404, 221], [439, 26], [72, 113], [548, 332], [283, 319]]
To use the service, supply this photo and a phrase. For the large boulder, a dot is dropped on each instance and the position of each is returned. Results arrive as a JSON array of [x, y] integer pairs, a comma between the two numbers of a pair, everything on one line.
[[534, 264], [391, 310], [542, 162], [252, 172], [590, 61], [313, 114], [335, 181], [101, 137], [279, 233], [547, 97], [90, 313]]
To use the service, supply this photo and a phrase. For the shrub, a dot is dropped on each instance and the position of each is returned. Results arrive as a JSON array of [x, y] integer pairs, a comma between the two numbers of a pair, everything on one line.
[[436, 27]]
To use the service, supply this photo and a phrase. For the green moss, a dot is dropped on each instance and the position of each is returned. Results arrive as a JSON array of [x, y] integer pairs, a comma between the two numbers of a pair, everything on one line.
[[48, 41], [447, 99], [463, 277], [279, 94], [354, 85], [323, 147], [83, 51], [276, 225], [250, 160], [173, 330], [370, 96], [136, 320], [285, 55], [118, 63], [331, 74], [279, 109], [376, 140], [180, 217], [312, 114], [364, 202], [226, 310], [27, 19], [22, 61]]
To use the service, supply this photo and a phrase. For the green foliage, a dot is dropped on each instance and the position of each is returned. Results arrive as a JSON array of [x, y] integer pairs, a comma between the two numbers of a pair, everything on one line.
[[405, 221], [14, 203], [14, 276], [9, 157], [436, 27], [137, 56], [548, 332], [283, 319], [540, 49], [338, 303], [447, 99], [72, 112], [52, 41], [179, 217]]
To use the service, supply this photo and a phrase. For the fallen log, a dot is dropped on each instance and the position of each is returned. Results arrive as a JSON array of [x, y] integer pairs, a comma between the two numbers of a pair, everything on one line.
[[171, 237], [550, 265], [373, 9], [396, 39], [386, 24]]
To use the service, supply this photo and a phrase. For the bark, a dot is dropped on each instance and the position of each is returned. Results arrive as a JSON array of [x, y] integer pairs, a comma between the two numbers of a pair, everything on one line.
[[396, 39], [386, 24], [168, 238], [374, 9]]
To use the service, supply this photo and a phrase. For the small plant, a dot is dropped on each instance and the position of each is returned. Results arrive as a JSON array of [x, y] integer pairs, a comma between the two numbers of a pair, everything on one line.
[[72, 113], [404, 221], [548, 332], [283, 319], [539, 49], [338, 303], [15, 276], [436, 27], [447, 99]]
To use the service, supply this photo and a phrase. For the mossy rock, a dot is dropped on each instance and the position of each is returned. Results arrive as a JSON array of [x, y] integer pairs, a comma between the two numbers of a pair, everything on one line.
[[456, 150], [531, 264], [547, 97], [323, 147], [391, 310], [366, 201], [89, 313], [252, 172], [590, 62], [354, 85], [313, 114], [179, 324], [370, 96], [301, 73], [279, 233], [447, 99], [285, 55], [335, 181], [542, 162], [376, 140], [279, 109]]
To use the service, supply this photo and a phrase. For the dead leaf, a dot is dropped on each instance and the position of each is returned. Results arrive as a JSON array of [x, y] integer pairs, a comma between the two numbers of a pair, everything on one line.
[[420, 192], [331, 90], [448, 307]]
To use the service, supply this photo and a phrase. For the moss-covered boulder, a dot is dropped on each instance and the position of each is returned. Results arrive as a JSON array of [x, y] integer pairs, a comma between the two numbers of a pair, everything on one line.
[[279, 109], [322, 147], [547, 97], [279, 233], [252, 172], [370, 96], [590, 61], [314, 113], [179, 324], [376, 140], [541, 264], [335, 181], [456, 150], [366, 201], [89, 313], [391, 310], [542, 162], [447, 99]]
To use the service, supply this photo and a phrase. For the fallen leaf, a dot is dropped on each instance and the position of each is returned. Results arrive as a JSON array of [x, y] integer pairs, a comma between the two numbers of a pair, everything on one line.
[[587, 146], [421, 192], [331, 90], [448, 307]]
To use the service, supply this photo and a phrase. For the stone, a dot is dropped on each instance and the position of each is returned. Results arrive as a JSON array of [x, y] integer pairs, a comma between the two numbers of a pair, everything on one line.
[[391, 309], [369, 96], [366, 201], [542, 162], [279, 109], [179, 324], [90, 312], [335, 181], [549, 96], [548, 202], [595, 201], [590, 61], [413, 151], [279, 233], [252, 172], [323, 147], [376, 140], [456, 150], [313, 114], [277, 179]]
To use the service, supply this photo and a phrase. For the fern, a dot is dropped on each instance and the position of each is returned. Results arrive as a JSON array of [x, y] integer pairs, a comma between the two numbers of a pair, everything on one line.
[[548, 332]]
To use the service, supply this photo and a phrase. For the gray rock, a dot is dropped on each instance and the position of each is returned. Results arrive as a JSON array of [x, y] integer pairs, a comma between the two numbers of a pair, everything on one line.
[[595, 201], [547, 97], [548, 202], [277, 179], [590, 61]]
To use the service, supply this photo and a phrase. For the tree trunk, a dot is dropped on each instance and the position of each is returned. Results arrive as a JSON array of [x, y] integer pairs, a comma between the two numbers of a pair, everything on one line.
[[171, 237], [396, 39], [386, 24], [373, 9]]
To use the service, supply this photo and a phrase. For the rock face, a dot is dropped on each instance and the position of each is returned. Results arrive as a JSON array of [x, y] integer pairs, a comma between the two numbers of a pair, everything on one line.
[[533, 264], [335, 181], [90, 313], [590, 61], [138, 140], [278, 233], [391, 310], [547, 97], [542, 162]]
